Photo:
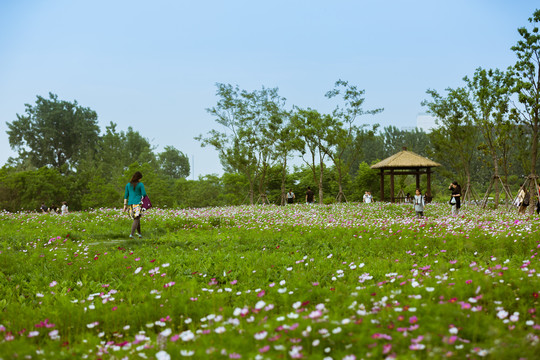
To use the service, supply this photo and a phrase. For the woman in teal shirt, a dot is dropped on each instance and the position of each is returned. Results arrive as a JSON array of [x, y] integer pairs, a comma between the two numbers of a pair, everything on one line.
[[132, 202]]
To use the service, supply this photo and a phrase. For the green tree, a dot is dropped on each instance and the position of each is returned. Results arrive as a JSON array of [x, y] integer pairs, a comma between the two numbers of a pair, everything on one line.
[[54, 133], [244, 146], [173, 163], [455, 141], [341, 130], [313, 128], [487, 103], [527, 84]]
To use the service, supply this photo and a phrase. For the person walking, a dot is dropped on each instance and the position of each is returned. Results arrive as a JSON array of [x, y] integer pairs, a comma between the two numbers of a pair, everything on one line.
[[455, 199], [419, 204], [132, 202], [290, 197], [309, 195]]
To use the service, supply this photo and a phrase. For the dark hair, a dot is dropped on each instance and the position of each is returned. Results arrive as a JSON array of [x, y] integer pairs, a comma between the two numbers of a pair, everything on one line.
[[420, 191], [455, 183], [135, 179], [309, 188]]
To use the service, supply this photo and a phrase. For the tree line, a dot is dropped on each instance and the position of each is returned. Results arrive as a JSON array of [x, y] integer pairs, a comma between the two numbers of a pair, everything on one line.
[[487, 128]]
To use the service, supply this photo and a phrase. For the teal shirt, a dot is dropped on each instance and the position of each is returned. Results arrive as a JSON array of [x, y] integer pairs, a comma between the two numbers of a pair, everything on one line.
[[134, 196]]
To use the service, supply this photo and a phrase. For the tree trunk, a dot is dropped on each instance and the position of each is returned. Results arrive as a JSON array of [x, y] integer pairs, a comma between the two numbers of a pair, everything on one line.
[[340, 183], [321, 172], [534, 146], [251, 190], [496, 177], [283, 178]]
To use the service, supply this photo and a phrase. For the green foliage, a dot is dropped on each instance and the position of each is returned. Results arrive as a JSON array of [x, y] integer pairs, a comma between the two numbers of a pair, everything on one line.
[[54, 133], [174, 163]]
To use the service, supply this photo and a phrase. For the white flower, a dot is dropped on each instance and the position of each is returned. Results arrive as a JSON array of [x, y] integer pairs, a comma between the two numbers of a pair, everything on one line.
[[187, 335], [502, 314], [260, 304], [187, 352], [260, 335], [138, 270], [163, 355], [220, 330], [166, 332]]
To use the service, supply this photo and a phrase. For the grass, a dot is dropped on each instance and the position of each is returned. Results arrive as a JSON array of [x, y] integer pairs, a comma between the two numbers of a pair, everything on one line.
[[264, 282]]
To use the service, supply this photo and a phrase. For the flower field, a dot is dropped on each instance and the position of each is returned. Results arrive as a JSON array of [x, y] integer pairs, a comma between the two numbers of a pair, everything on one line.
[[351, 281]]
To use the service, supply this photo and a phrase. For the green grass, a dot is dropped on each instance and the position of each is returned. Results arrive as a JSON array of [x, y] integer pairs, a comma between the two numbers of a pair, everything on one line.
[[385, 284]]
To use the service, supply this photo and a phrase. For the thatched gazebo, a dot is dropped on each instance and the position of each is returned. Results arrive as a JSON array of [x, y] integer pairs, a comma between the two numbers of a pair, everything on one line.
[[405, 163]]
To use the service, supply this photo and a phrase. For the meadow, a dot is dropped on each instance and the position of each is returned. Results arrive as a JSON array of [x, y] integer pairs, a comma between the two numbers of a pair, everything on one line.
[[351, 281]]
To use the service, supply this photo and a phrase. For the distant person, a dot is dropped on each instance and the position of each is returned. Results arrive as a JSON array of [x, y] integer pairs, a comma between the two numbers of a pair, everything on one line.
[[538, 201], [408, 198], [309, 195], [525, 202], [290, 197], [44, 209], [132, 202], [419, 204], [367, 197], [455, 199], [53, 210], [64, 208]]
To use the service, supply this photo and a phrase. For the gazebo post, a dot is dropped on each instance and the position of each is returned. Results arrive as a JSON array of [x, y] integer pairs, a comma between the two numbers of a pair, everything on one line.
[[418, 178], [428, 190], [391, 185], [382, 185]]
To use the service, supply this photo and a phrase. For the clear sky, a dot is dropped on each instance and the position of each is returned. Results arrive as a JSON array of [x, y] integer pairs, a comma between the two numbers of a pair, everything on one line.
[[153, 65]]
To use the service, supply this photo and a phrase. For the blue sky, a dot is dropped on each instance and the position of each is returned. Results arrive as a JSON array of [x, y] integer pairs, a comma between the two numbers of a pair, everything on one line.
[[154, 65]]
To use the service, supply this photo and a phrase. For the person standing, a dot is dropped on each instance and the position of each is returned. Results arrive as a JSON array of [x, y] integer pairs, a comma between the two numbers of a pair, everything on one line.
[[309, 195], [64, 208], [419, 204], [367, 197], [132, 202], [44, 209], [290, 197], [455, 199]]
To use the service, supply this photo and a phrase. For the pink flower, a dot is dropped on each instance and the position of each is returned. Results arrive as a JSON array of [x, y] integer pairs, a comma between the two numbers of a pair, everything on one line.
[[53, 283], [234, 282], [413, 320], [468, 282], [264, 349]]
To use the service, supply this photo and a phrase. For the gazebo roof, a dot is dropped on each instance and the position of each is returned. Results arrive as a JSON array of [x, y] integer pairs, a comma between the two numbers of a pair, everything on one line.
[[405, 159]]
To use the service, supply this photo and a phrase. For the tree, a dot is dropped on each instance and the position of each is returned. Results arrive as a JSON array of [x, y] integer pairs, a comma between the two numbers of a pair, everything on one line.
[[174, 163], [313, 128], [455, 141], [395, 140], [487, 103], [342, 128], [54, 133], [527, 83], [245, 146]]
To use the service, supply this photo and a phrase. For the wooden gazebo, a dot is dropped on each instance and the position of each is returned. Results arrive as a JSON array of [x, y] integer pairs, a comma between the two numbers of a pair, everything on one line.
[[405, 163]]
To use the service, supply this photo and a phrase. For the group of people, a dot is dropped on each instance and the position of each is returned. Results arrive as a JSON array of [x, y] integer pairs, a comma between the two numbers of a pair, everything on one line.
[[523, 200], [310, 196], [53, 209], [419, 200]]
